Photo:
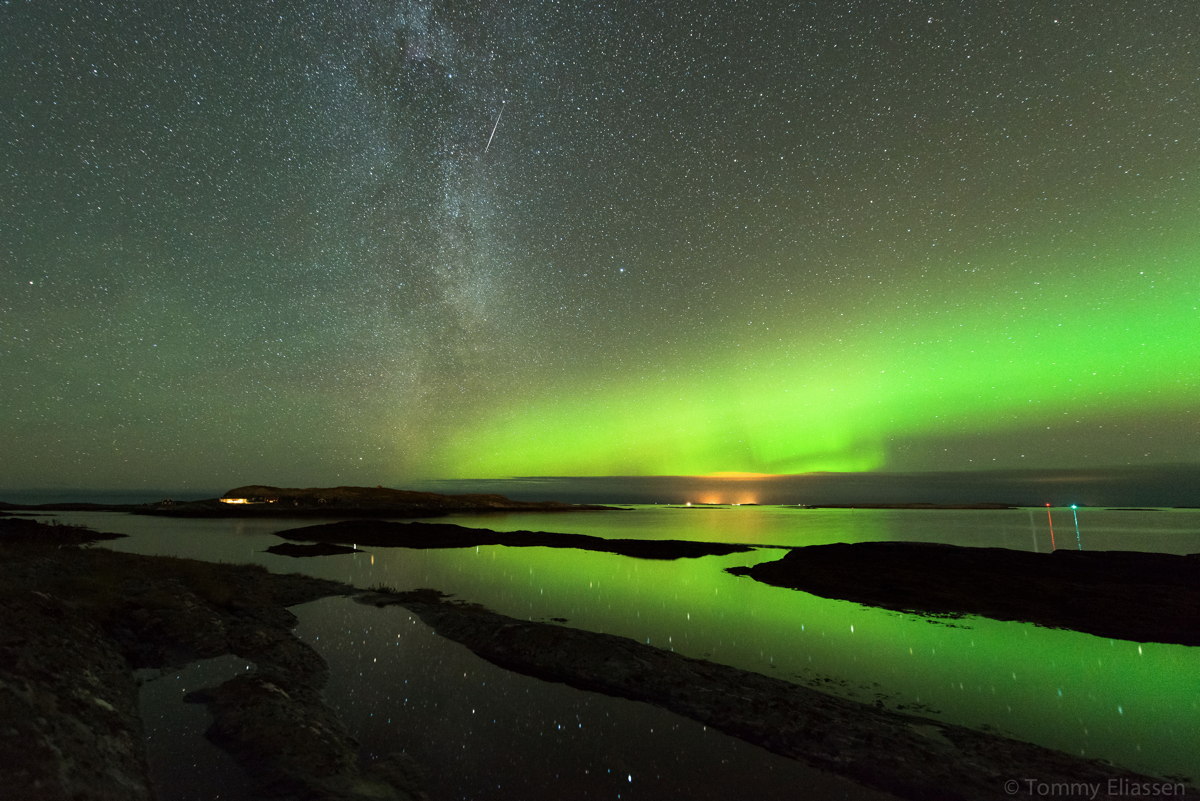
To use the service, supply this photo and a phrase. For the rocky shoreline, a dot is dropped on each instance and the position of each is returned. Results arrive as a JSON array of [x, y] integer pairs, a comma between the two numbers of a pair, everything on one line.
[[905, 755], [1126, 595], [80, 620]]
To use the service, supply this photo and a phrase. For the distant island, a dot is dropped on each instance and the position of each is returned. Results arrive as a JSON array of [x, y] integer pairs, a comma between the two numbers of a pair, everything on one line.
[[257, 500]]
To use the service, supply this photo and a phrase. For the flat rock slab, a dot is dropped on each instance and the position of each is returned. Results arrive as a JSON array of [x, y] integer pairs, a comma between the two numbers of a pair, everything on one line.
[[448, 535], [1127, 595]]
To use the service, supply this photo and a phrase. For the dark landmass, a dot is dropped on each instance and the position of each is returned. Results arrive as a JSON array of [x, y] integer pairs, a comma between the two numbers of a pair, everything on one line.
[[263, 501], [1132, 509], [9, 508], [315, 549], [1149, 485], [959, 506], [78, 621], [908, 756], [18, 530], [1127, 595], [448, 535]]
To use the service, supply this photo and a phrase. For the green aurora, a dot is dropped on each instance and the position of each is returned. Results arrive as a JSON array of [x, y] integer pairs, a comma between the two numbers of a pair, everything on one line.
[[1023, 357], [303, 247]]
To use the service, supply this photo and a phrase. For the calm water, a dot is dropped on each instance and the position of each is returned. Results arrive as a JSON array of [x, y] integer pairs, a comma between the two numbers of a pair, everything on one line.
[[1137, 705]]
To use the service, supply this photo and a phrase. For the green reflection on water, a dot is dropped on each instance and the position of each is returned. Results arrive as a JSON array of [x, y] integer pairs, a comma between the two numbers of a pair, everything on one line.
[[1135, 705], [1131, 704]]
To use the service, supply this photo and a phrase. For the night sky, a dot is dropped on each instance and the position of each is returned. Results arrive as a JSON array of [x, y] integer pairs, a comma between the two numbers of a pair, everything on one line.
[[270, 242]]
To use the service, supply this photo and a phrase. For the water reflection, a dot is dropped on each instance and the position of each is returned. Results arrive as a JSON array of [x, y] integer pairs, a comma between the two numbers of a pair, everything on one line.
[[480, 732], [1136, 705], [183, 764]]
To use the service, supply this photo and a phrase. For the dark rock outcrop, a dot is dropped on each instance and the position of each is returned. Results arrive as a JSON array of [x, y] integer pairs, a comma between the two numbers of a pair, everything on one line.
[[448, 535], [69, 725], [293, 746], [23, 531], [77, 622], [908, 756], [1146, 597]]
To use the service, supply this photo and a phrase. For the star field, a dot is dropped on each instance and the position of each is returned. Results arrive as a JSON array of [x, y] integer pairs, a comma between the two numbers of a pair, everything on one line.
[[265, 242]]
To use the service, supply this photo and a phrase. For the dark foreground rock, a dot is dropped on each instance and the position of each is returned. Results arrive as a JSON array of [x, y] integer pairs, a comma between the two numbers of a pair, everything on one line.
[[294, 746], [448, 535], [69, 727], [76, 622], [908, 756], [1145, 597]]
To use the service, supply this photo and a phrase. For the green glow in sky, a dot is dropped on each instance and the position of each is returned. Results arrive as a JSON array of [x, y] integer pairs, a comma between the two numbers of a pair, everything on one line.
[[1019, 356], [293, 246]]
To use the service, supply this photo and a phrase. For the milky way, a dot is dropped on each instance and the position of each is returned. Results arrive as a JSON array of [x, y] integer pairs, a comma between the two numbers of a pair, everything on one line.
[[289, 243]]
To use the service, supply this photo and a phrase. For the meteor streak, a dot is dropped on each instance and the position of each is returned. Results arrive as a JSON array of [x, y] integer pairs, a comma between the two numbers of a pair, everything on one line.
[[494, 127]]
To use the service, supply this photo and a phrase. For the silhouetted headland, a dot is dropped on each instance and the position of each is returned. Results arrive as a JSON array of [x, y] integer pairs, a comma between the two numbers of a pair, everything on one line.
[[263, 501], [448, 535], [15, 531], [1127, 595]]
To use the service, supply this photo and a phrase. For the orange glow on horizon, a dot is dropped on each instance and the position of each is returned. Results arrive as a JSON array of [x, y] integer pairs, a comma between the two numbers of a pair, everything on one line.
[[736, 475], [718, 498]]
